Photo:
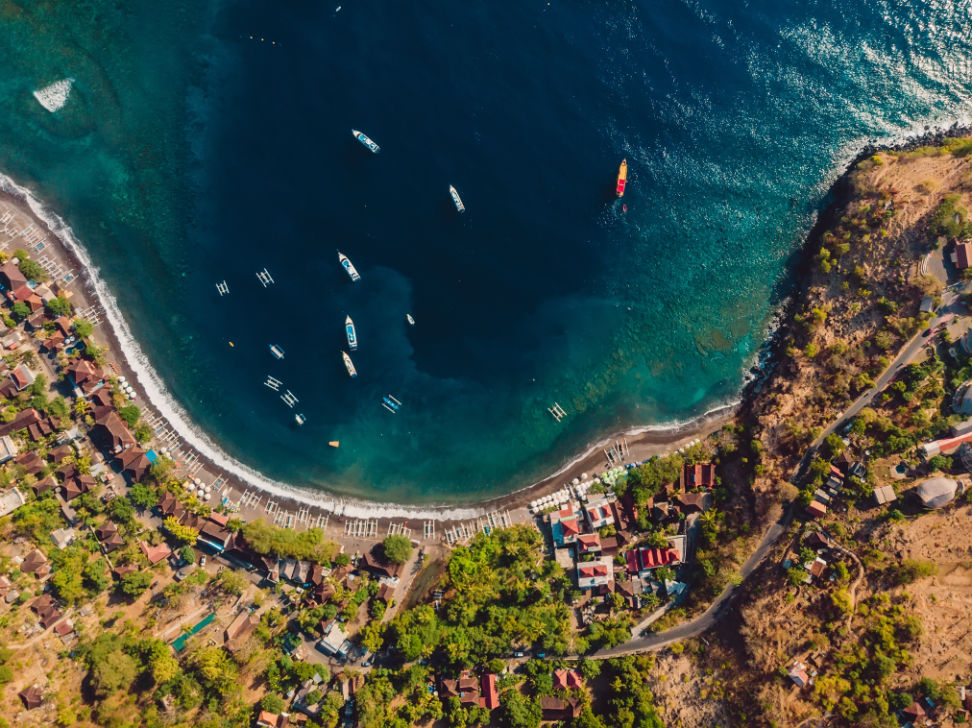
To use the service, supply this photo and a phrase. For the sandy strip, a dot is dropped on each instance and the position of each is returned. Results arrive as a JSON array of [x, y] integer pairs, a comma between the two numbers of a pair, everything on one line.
[[313, 506]]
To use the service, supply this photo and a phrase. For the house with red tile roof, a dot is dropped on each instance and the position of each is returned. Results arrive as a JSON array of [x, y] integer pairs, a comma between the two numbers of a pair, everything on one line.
[[567, 680], [490, 694], [648, 558], [564, 526], [697, 476], [155, 554], [599, 513], [592, 574], [266, 719], [22, 377], [588, 543]]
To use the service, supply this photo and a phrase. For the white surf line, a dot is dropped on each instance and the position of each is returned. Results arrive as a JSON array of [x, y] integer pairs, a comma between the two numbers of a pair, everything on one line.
[[172, 411]]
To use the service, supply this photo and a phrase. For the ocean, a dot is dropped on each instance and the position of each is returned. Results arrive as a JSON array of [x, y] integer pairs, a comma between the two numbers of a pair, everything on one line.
[[203, 143]]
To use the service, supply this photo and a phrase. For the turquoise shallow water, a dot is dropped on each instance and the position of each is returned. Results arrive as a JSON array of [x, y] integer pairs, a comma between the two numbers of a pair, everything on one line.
[[190, 152]]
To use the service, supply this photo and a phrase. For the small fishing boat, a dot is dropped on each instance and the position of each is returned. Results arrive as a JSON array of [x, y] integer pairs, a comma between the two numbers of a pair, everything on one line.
[[276, 351], [411, 321], [348, 267], [352, 335], [390, 403], [366, 140], [622, 177], [456, 200], [300, 419], [349, 365], [335, 443]]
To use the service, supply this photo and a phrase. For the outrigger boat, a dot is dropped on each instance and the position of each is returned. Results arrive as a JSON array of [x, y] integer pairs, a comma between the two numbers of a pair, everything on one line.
[[300, 419], [276, 351], [456, 200], [349, 365], [352, 335], [411, 321], [390, 403], [348, 267], [622, 177], [366, 140]]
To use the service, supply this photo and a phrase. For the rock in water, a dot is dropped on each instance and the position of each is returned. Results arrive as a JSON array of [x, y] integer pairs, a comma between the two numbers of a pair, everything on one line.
[[53, 97]]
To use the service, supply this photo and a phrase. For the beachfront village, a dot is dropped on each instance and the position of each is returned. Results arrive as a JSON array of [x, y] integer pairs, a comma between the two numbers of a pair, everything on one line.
[[806, 561]]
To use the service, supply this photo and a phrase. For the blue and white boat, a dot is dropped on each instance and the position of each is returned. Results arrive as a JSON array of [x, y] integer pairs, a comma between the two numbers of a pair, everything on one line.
[[390, 403], [276, 351], [411, 321], [348, 267], [366, 140], [352, 335], [300, 419]]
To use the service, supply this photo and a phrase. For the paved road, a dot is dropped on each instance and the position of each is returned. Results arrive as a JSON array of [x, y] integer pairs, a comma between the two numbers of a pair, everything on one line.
[[716, 610], [695, 627]]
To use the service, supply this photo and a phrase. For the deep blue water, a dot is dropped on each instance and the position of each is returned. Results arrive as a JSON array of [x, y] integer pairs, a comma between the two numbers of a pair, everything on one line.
[[190, 153]]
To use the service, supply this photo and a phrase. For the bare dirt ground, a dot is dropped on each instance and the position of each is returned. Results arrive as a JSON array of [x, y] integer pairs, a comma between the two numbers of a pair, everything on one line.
[[687, 696]]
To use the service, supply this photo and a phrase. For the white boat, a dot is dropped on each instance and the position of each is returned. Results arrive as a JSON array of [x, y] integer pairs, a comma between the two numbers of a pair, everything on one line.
[[349, 365], [366, 140], [411, 321], [276, 351], [300, 419], [456, 200], [348, 267], [351, 334]]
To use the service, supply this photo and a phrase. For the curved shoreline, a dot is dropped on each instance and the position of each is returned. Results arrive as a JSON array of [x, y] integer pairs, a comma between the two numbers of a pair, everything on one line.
[[650, 438], [126, 348]]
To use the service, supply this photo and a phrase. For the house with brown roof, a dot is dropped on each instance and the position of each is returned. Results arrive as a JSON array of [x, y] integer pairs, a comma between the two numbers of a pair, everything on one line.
[[31, 462], [134, 464], [64, 629], [962, 255], [697, 476], [376, 562], [35, 563], [110, 433], [816, 509], [221, 538], [913, 712], [266, 719], [32, 697], [110, 538], [85, 375], [26, 294], [239, 630], [690, 502], [385, 592], [77, 485], [559, 708], [123, 570], [43, 485], [64, 326], [21, 421], [11, 276]]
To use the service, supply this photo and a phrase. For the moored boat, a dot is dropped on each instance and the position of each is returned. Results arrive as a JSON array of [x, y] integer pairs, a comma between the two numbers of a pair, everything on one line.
[[390, 403], [456, 200], [351, 333], [300, 419], [366, 140], [348, 267], [622, 177], [411, 321], [349, 365], [275, 350]]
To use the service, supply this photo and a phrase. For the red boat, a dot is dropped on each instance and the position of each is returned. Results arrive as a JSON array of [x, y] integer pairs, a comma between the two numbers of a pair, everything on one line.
[[622, 177]]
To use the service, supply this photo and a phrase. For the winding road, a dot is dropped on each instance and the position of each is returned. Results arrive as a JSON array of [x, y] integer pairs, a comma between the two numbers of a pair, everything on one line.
[[693, 628]]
